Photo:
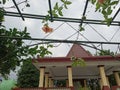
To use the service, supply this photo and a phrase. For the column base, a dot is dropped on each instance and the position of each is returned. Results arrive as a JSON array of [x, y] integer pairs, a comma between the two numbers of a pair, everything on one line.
[[105, 88], [115, 87], [72, 88]]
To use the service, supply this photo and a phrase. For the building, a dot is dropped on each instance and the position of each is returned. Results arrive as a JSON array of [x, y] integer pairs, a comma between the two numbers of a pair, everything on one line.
[[61, 68]]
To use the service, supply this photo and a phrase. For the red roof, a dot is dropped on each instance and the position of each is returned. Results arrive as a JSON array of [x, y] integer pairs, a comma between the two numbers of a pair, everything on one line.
[[78, 51], [66, 59]]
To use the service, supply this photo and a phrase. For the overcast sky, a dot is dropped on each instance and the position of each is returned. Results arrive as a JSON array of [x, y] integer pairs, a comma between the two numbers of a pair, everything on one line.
[[66, 29]]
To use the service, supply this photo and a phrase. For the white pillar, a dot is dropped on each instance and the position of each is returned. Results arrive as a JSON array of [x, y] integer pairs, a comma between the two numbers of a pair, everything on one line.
[[41, 80], [50, 81], [117, 78], [101, 85], [46, 79], [70, 80], [102, 75], [108, 81]]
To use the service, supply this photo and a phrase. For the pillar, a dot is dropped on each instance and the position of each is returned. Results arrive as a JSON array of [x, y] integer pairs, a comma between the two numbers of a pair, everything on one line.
[[103, 78], [52, 83], [85, 85], [41, 79], [46, 79], [67, 83], [70, 80], [50, 80], [101, 85], [108, 81], [117, 78]]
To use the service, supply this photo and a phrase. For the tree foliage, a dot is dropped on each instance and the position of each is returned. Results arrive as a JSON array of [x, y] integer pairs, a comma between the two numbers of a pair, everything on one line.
[[28, 75], [105, 52], [105, 7], [13, 51]]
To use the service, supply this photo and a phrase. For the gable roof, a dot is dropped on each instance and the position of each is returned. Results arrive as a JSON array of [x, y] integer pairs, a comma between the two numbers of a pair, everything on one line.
[[78, 51]]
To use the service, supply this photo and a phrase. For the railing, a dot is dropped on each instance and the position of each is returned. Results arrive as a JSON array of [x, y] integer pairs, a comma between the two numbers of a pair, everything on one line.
[[54, 88]]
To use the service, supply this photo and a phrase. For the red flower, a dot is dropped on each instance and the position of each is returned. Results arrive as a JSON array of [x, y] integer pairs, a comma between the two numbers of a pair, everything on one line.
[[47, 29], [101, 1]]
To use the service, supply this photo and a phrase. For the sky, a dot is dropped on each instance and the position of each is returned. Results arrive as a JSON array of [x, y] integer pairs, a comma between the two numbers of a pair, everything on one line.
[[63, 30]]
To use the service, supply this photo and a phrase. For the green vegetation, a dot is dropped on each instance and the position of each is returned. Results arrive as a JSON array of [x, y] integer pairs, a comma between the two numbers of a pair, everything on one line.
[[28, 75]]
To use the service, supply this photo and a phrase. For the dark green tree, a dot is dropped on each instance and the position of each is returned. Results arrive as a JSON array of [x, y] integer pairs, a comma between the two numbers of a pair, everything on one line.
[[28, 75], [13, 51]]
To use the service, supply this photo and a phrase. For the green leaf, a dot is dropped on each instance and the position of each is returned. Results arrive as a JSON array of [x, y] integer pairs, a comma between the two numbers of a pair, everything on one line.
[[109, 11], [97, 6], [36, 47], [60, 8], [51, 46], [62, 0], [104, 12], [65, 6], [68, 2], [81, 28], [56, 6], [109, 21], [4, 1], [47, 17], [54, 11], [74, 64], [104, 6], [1, 14], [55, 15], [114, 2], [60, 11], [93, 1]]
